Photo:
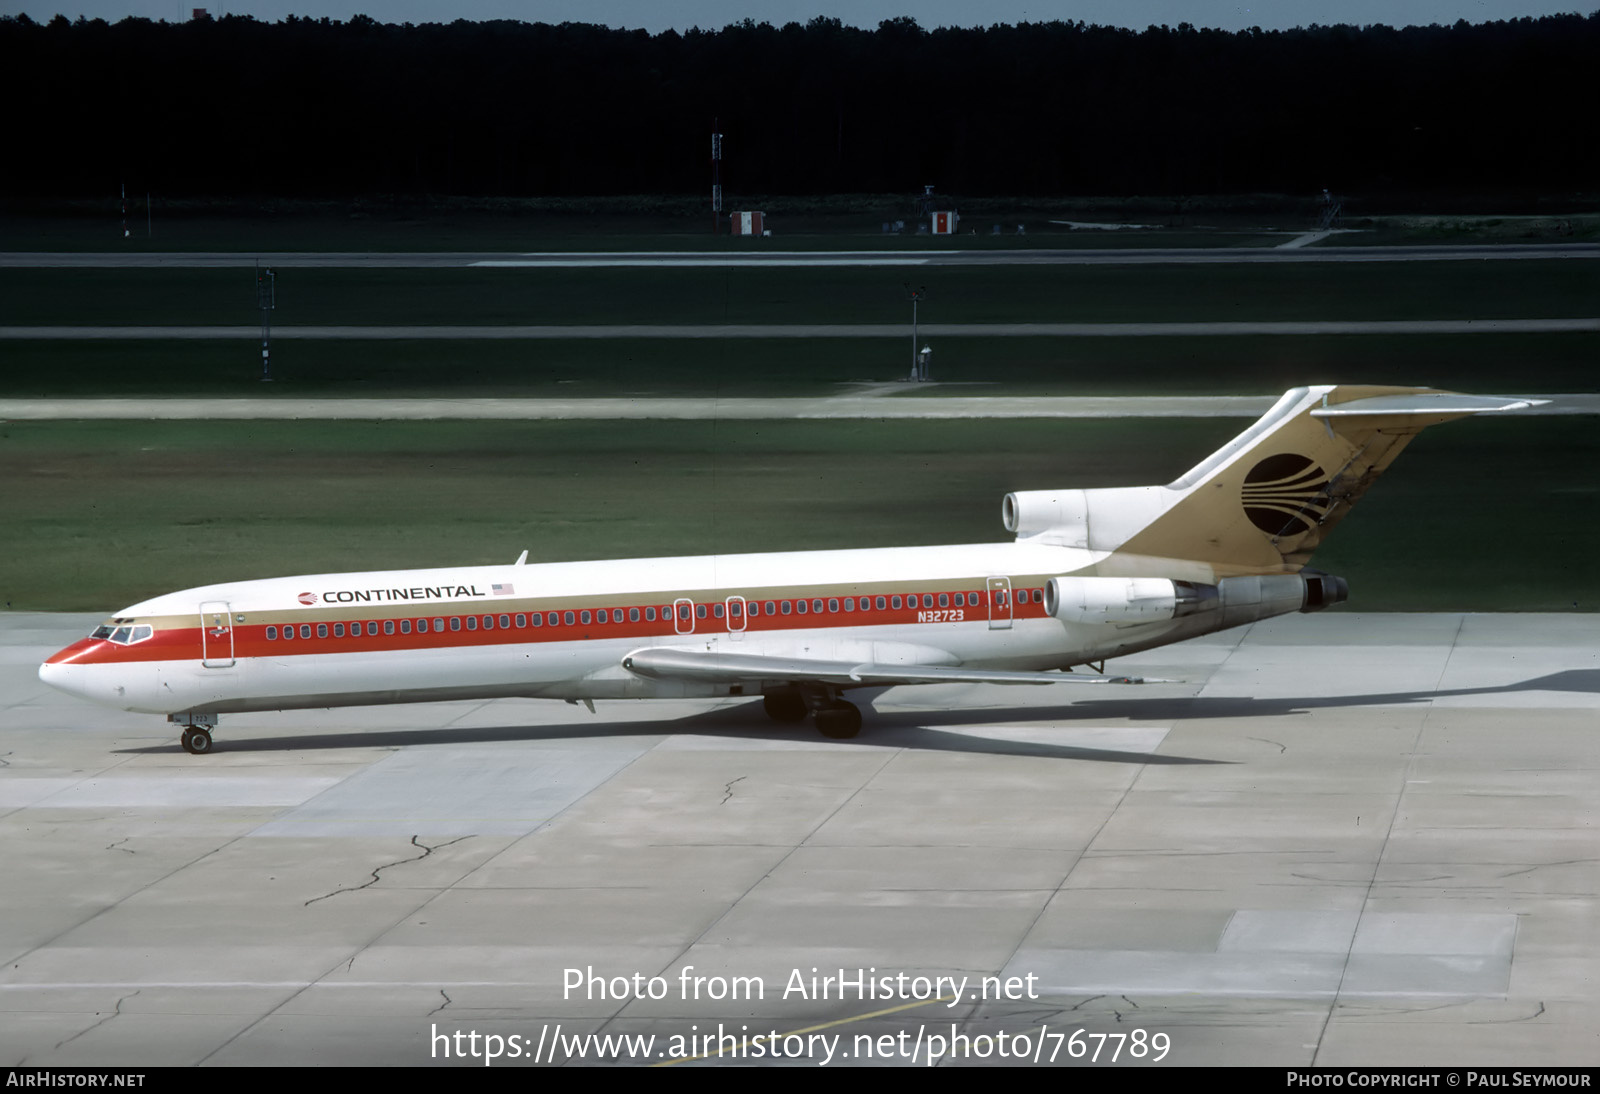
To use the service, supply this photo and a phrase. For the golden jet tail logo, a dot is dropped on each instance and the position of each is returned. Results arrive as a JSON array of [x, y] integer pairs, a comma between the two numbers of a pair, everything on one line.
[[1286, 495]]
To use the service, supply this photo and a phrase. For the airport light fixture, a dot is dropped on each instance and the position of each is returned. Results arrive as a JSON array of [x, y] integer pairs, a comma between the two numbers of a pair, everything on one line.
[[916, 296], [266, 300]]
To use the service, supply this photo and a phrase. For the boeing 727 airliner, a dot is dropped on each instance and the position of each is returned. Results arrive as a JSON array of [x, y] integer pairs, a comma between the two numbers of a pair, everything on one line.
[[1092, 574]]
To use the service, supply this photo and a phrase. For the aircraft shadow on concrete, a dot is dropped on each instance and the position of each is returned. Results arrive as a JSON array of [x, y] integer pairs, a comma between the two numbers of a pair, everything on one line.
[[913, 729], [1244, 706]]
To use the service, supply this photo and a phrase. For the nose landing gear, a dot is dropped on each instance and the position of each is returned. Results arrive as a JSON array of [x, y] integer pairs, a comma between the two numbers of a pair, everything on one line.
[[196, 735]]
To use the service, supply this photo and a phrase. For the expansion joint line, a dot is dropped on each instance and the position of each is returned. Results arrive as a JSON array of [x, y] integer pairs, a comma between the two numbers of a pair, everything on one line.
[[1388, 834]]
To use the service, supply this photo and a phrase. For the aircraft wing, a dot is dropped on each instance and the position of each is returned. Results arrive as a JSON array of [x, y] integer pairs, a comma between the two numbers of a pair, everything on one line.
[[707, 667]]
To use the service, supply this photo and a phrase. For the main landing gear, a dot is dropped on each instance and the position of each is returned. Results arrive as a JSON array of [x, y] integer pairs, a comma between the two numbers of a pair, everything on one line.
[[833, 716], [196, 736]]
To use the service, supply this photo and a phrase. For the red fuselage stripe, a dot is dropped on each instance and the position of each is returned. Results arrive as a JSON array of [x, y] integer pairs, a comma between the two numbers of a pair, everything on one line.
[[185, 643]]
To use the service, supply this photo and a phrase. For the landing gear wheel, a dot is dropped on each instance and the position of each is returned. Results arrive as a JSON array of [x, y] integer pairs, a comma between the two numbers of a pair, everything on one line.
[[784, 706], [196, 740], [840, 720]]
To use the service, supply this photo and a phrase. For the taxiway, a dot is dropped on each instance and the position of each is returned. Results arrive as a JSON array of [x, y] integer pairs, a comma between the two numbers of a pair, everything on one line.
[[1338, 839]]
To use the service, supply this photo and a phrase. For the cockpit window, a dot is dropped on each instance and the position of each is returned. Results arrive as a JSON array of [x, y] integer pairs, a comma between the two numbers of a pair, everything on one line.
[[123, 635]]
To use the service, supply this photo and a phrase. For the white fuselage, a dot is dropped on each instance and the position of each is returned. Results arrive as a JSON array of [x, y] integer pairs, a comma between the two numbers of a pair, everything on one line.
[[355, 638]]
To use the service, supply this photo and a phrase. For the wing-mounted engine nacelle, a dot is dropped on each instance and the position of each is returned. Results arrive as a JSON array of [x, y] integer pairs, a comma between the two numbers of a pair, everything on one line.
[[1152, 599], [1125, 599]]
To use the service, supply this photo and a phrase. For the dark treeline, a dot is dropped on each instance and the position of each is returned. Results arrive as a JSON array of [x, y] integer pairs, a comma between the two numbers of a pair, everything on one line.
[[304, 108]]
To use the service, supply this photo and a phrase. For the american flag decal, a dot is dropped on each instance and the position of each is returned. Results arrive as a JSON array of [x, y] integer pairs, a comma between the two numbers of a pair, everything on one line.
[[501, 590]]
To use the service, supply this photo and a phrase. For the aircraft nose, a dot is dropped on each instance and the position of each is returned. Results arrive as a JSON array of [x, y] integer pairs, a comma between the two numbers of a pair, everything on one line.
[[57, 675], [64, 670]]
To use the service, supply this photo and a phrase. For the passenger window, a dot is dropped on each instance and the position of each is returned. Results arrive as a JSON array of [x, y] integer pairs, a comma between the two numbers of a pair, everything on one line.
[[786, 607], [488, 622], [288, 633], [272, 634], [585, 617], [422, 626], [322, 630], [734, 609], [536, 619], [633, 615], [716, 610], [388, 626], [472, 622], [849, 603], [522, 620], [567, 619], [833, 605], [305, 630], [699, 611], [800, 607], [438, 624], [601, 616], [771, 608], [944, 600], [894, 602], [881, 604], [650, 614], [455, 622], [753, 609], [405, 626]]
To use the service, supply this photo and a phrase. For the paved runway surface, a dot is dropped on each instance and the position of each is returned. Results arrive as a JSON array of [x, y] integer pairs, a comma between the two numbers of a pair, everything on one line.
[[824, 330], [1341, 839], [761, 256], [874, 401]]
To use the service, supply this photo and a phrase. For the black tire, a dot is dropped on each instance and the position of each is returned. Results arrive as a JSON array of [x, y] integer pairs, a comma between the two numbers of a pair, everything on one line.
[[840, 722], [784, 706], [196, 741]]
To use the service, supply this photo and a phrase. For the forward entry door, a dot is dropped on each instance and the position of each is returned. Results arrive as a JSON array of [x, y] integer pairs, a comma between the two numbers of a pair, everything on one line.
[[216, 635]]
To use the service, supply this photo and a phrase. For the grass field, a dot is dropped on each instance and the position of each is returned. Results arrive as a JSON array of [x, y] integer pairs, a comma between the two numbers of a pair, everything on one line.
[[728, 367], [1522, 289], [1492, 515], [972, 294]]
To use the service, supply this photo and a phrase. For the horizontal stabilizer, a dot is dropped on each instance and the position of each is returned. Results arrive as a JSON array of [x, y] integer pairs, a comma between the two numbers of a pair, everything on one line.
[[1426, 404], [735, 668]]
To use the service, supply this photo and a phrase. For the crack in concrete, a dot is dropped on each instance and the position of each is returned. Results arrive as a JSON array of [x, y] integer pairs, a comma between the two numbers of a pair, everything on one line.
[[727, 791], [115, 1011], [426, 851], [1544, 865], [118, 846]]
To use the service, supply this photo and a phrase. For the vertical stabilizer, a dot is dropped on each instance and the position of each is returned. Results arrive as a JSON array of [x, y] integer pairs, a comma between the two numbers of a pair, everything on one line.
[[1268, 499], [1264, 501]]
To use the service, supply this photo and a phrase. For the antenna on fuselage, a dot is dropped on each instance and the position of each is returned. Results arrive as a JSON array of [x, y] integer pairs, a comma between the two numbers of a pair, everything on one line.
[[523, 557]]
